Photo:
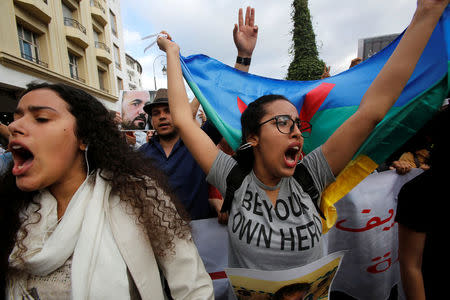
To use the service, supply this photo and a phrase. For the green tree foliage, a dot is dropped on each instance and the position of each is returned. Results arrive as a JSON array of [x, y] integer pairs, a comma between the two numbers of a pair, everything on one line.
[[306, 64]]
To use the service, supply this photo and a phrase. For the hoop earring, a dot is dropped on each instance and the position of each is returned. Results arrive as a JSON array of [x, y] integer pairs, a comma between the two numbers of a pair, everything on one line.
[[245, 146]]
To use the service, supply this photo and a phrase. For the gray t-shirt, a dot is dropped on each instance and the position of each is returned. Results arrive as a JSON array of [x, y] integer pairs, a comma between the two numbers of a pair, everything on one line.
[[265, 237]]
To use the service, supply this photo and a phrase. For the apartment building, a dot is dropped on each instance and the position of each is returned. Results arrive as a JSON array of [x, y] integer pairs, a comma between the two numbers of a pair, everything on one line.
[[77, 42], [368, 47], [134, 71]]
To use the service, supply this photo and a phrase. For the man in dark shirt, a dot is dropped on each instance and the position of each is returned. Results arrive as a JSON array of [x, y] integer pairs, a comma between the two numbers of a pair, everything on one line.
[[167, 149]]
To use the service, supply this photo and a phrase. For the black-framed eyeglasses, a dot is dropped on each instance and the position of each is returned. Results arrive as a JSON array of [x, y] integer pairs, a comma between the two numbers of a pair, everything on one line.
[[285, 124]]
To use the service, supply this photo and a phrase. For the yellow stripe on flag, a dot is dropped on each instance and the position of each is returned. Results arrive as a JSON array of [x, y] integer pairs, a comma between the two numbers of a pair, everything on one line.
[[351, 176]]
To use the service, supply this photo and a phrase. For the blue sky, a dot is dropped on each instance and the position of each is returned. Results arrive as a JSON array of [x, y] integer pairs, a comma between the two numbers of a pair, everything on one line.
[[205, 26]]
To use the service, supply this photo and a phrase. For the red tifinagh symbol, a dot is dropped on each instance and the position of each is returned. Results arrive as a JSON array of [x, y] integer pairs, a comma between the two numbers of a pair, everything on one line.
[[241, 105], [314, 99]]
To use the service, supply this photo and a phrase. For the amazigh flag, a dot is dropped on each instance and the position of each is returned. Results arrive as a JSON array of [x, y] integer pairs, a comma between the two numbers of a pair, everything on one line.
[[225, 92]]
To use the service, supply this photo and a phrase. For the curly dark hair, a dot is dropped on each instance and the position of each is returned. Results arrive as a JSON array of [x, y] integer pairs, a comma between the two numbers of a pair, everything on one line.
[[132, 176]]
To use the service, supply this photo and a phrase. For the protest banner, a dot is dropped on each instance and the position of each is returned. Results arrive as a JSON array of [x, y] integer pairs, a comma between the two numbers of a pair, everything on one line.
[[211, 239], [367, 229]]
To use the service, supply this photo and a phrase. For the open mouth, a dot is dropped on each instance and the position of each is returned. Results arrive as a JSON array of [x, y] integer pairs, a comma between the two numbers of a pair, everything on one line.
[[23, 159], [291, 156], [164, 125]]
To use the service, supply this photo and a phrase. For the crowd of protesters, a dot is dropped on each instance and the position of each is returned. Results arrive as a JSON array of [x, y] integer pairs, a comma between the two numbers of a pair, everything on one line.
[[86, 216]]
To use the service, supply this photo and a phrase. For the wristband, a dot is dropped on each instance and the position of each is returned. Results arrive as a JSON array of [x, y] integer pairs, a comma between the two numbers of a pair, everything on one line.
[[243, 60]]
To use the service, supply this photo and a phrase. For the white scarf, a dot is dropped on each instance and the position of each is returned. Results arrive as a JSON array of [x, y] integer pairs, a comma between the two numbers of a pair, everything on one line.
[[98, 269]]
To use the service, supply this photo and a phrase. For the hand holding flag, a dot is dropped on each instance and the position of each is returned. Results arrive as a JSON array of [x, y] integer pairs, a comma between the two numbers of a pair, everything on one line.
[[335, 99]]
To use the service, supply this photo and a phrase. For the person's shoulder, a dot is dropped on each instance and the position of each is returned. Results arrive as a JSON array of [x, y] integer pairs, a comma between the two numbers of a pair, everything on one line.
[[148, 145], [419, 185]]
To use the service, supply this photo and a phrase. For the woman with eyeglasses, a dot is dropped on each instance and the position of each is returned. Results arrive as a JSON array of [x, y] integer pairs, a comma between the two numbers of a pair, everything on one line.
[[273, 222]]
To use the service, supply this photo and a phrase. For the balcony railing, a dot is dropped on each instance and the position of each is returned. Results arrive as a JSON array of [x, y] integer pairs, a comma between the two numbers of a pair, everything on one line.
[[34, 59], [75, 24], [97, 4], [103, 46]]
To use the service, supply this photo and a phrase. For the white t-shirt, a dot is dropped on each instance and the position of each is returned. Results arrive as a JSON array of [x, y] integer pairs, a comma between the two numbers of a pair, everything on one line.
[[265, 237]]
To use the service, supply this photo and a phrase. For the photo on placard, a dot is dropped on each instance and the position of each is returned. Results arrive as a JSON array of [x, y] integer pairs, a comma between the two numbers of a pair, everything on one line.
[[310, 282], [131, 108]]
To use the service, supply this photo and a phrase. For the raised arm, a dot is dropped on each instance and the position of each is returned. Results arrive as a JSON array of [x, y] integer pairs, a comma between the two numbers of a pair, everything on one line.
[[198, 142], [202, 148], [194, 106], [386, 88], [245, 35]]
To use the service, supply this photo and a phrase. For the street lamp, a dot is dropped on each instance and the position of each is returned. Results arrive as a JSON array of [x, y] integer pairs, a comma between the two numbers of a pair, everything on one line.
[[164, 69]]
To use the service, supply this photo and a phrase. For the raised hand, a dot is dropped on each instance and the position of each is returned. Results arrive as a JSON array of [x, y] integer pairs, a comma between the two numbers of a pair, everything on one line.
[[401, 167], [430, 7], [432, 4], [355, 61], [326, 72], [245, 33], [165, 42]]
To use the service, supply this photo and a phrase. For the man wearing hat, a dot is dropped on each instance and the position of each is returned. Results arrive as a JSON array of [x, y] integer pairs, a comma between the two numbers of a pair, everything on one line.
[[167, 149]]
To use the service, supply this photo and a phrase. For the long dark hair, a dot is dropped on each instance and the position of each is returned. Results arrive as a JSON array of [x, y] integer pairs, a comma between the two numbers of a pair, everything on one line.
[[250, 120], [132, 176]]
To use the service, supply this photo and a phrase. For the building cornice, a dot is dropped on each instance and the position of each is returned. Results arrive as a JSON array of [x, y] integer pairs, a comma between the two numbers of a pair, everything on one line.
[[23, 65]]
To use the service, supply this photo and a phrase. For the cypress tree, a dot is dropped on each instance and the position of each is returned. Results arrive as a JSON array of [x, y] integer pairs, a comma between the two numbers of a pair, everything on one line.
[[306, 64]]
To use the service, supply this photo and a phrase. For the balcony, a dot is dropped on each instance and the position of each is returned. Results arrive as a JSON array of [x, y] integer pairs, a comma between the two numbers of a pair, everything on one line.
[[37, 8], [98, 12], [103, 52], [34, 59], [76, 32]]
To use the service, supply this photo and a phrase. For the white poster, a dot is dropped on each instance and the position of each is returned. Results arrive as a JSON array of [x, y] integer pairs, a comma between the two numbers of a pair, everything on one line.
[[366, 227]]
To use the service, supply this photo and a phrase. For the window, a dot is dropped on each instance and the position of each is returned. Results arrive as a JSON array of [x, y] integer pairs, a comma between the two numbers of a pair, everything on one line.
[[129, 61], [67, 12], [29, 48], [117, 57], [119, 84], [130, 75], [96, 36], [101, 79], [112, 20], [73, 66]]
